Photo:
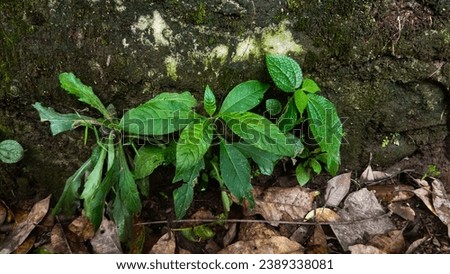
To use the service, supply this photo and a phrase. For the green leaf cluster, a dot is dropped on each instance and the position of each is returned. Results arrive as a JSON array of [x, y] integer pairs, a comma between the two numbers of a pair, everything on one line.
[[306, 107], [111, 182]]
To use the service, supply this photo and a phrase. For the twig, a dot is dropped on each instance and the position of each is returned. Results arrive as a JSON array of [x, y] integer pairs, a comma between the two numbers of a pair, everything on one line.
[[259, 221]]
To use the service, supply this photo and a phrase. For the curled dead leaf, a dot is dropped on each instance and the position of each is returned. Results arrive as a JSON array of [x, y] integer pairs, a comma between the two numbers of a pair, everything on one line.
[[106, 239], [424, 195], [272, 245], [364, 249], [283, 204], [392, 193], [441, 203], [317, 244], [23, 229], [403, 210], [82, 228], [165, 245], [250, 231], [337, 189], [391, 243], [323, 214]]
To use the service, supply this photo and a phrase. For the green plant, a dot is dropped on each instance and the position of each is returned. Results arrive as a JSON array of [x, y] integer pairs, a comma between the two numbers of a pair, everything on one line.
[[111, 180], [317, 115], [10, 151], [432, 171]]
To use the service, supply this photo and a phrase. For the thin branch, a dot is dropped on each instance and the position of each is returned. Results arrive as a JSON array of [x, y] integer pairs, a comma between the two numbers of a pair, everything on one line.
[[166, 222]]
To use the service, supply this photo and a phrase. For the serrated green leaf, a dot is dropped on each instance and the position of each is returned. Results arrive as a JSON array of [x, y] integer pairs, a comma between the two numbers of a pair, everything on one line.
[[302, 174], [235, 171], [273, 106], [61, 122], [301, 100], [94, 206], [288, 120], [10, 151], [95, 177], [260, 132], [127, 201], [67, 203], [166, 113], [244, 97], [326, 128], [285, 72], [265, 160], [74, 86], [310, 86], [209, 101], [182, 198], [146, 160], [192, 145]]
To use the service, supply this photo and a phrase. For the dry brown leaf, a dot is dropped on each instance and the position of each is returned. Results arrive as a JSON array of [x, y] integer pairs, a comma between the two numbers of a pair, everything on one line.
[[250, 231], [58, 241], [337, 189], [286, 204], [422, 183], [323, 214], [392, 193], [106, 240], [23, 229], [392, 243], [230, 235], [317, 244], [416, 244], [212, 247], [272, 245], [403, 210], [165, 245], [370, 176], [3, 212], [363, 215], [183, 251], [424, 195], [82, 227], [26, 246], [441, 203], [300, 234], [364, 249]]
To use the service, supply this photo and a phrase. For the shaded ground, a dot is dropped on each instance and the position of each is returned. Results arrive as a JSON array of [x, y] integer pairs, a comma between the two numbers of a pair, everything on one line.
[[159, 232]]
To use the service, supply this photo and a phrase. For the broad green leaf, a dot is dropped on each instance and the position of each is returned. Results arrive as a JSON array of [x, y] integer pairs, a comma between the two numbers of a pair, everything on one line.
[[192, 145], [147, 159], [310, 86], [288, 120], [273, 106], [209, 101], [285, 72], [265, 160], [182, 198], [67, 203], [260, 132], [244, 97], [301, 100], [10, 151], [74, 86], [94, 178], [302, 174], [61, 122], [235, 171], [326, 128], [316, 166], [166, 113], [189, 175], [94, 206]]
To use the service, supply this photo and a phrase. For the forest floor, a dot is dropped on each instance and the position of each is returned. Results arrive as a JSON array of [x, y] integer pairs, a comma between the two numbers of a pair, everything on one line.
[[402, 209]]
